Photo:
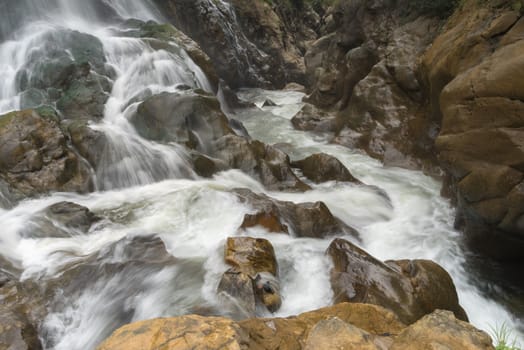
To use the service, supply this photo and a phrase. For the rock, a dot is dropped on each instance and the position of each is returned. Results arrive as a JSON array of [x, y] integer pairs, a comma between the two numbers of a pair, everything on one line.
[[302, 220], [166, 33], [409, 289], [248, 43], [186, 332], [88, 142], [336, 334], [441, 330], [73, 75], [293, 333], [253, 278], [267, 163], [35, 157], [310, 118], [481, 155], [23, 308], [251, 255], [321, 167], [295, 87], [193, 119], [16, 332]]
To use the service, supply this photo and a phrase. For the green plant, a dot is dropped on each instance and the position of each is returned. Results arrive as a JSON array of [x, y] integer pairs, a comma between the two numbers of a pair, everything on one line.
[[503, 338]]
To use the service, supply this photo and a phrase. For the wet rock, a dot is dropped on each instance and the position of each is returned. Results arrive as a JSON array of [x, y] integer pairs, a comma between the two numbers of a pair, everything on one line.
[[321, 167], [267, 163], [73, 75], [295, 87], [247, 42], [310, 118], [468, 85], [166, 33], [35, 157], [192, 119], [88, 142], [409, 289], [23, 308], [303, 220], [253, 278], [441, 330]]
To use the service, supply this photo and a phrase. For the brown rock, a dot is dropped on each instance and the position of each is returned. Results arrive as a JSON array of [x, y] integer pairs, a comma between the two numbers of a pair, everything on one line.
[[186, 332], [302, 219], [409, 289], [440, 330], [321, 167], [35, 158], [337, 334], [251, 255], [310, 118], [474, 71]]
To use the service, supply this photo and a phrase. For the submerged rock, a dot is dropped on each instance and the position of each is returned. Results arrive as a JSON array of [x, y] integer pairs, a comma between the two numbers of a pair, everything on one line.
[[35, 157], [411, 289]]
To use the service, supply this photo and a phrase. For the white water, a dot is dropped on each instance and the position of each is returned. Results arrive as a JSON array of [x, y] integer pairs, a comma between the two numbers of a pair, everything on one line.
[[150, 189]]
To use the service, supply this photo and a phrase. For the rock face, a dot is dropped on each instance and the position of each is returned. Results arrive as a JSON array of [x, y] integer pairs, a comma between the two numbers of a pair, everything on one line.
[[475, 83], [303, 220], [253, 278], [248, 43], [364, 69], [411, 289], [35, 157], [321, 167], [344, 326]]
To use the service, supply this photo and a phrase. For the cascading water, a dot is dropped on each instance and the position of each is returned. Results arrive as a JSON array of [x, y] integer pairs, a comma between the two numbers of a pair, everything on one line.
[[149, 188]]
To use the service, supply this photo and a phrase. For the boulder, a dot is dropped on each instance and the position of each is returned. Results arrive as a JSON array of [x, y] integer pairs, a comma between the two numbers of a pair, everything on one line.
[[253, 278], [35, 157], [186, 332], [310, 118], [267, 163], [321, 167], [411, 289], [312, 220], [191, 118], [336, 334], [16, 332], [441, 330], [73, 75]]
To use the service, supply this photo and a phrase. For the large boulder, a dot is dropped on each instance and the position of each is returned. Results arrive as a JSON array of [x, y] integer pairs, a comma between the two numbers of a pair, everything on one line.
[[72, 74], [35, 157], [253, 278], [312, 220], [189, 118], [344, 326], [441, 330], [411, 289], [474, 78]]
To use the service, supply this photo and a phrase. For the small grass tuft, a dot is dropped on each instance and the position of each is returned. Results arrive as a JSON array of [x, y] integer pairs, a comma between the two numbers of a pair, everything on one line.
[[504, 340]]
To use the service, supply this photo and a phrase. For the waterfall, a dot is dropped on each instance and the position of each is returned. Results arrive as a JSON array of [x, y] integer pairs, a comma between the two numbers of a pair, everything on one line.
[[147, 188]]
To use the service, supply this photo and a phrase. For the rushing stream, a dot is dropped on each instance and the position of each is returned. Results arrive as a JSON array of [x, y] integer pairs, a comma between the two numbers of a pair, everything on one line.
[[147, 188]]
